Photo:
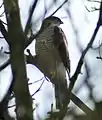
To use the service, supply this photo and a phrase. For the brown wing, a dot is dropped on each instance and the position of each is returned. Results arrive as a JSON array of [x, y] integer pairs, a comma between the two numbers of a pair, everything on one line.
[[61, 43]]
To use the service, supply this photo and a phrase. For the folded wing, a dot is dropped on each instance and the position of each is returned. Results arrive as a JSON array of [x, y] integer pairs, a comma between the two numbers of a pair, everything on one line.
[[61, 44]]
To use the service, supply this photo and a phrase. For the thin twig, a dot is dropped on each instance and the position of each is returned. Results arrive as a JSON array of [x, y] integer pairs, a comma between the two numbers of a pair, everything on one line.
[[80, 104], [4, 31], [59, 7], [4, 23], [1, 4], [45, 8], [30, 16], [1, 37], [5, 65], [93, 9], [99, 49], [11, 106], [36, 81], [38, 88], [2, 14], [80, 63], [95, 1]]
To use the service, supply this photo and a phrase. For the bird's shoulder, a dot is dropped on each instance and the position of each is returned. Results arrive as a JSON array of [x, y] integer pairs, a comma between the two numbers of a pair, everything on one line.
[[59, 36]]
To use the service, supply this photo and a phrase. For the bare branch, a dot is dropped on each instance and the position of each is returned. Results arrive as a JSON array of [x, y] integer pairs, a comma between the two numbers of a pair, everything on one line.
[[4, 31], [45, 8], [80, 63], [4, 23], [59, 7], [18, 67], [94, 1], [99, 50], [30, 16], [38, 88], [36, 81], [2, 14], [81, 104], [1, 5], [5, 65], [93, 9], [99, 58], [1, 37], [11, 106], [4, 103]]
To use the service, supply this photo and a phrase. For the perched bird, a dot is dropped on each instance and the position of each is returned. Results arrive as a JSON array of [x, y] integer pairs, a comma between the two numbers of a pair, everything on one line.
[[53, 56]]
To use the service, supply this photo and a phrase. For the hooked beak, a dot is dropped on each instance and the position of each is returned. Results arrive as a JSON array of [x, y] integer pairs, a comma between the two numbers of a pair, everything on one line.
[[61, 22]]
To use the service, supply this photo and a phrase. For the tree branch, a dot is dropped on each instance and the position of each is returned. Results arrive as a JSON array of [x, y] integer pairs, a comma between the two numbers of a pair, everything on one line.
[[59, 7], [4, 31], [5, 65], [17, 40], [30, 17], [80, 63]]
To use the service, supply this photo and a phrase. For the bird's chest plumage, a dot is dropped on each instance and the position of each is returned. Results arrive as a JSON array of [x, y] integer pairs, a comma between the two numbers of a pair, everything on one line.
[[48, 56], [44, 42]]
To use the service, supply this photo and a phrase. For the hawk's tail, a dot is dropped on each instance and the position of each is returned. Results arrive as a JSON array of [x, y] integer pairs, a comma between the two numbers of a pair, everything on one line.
[[61, 96]]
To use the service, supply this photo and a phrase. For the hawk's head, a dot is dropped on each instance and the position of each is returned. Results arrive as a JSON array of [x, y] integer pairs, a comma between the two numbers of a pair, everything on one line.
[[50, 21]]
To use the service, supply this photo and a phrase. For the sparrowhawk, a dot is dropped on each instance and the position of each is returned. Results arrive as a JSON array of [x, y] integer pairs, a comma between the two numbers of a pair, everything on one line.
[[53, 57]]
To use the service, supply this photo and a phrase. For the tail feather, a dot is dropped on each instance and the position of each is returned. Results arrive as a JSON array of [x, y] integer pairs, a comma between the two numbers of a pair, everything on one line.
[[61, 97]]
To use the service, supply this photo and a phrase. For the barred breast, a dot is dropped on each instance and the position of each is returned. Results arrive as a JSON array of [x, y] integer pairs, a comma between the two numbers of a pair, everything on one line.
[[44, 42]]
